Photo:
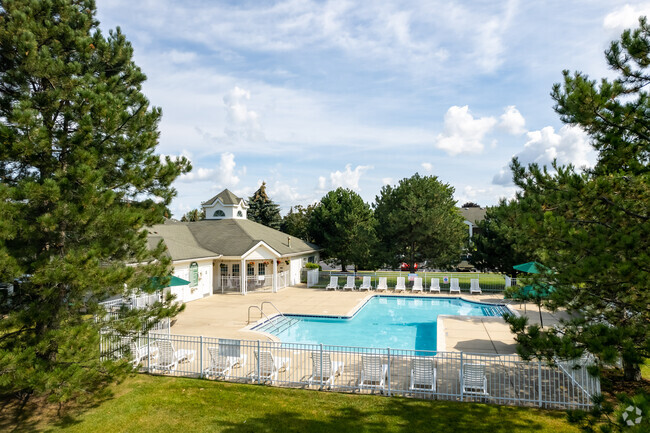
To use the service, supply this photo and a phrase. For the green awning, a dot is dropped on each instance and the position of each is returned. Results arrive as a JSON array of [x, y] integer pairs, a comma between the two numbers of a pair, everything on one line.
[[175, 281]]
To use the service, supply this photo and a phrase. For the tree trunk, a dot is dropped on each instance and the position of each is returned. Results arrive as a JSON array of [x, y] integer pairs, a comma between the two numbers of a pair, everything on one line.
[[343, 267], [631, 372]]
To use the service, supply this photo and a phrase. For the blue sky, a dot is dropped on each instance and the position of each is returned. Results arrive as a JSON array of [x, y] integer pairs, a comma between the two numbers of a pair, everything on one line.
[[312, 95]]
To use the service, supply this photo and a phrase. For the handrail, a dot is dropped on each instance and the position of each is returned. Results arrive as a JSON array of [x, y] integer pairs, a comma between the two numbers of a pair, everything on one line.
[[270, 303], [249, 313]]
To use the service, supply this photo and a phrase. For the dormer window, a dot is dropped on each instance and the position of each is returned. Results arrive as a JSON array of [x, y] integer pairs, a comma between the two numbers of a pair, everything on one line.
[[240, 214], [219, 213]]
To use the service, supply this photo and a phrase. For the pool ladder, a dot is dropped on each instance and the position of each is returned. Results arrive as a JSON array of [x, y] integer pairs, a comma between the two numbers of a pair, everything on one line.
[[261, 310]]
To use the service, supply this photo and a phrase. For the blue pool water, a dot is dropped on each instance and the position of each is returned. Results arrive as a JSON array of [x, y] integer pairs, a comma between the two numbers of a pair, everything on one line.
[[384, 321]]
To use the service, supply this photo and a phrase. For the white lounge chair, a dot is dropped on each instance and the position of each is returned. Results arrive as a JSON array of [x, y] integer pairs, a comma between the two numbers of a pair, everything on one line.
[[423, 375], [270, 366], [224, 358], [366, 285], [417, 284], [382, 284], [169, 358], [327, 371], [401, 284], [454, 287], [139, 353], [435, 285], [473, 379], [349, 284], [373, 373], [334, 283], [474, 287]]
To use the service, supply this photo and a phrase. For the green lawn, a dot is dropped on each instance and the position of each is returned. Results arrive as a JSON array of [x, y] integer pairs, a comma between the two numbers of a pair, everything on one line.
[[161, 404], [488, 281]]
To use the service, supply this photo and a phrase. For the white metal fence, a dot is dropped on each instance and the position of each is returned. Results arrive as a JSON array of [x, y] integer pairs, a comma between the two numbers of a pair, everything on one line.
[[254, 283], [499, 379]]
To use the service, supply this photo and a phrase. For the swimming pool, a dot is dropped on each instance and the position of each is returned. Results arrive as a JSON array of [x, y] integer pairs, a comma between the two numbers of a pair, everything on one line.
[[408, 323]]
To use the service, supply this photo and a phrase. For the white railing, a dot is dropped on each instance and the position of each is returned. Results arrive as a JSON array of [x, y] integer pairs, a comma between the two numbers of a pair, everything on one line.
[[259, 283], [502, 379], [284, 280], [230, 284]]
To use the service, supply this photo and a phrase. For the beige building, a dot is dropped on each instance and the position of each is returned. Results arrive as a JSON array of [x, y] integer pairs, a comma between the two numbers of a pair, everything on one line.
[[226, 252]]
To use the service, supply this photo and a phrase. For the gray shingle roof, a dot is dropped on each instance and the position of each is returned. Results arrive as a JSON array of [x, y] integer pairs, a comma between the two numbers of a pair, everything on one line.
[[226, 197], [473, 214], [180, 243], [227, 237]]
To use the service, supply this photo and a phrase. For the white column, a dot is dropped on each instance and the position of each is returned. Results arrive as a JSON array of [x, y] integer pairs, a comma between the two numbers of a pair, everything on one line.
[[242, 277], [275, 275]]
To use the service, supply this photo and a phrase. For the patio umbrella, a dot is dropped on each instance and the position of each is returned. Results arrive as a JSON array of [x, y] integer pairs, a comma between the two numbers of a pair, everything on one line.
[[175, 281], [537, 292], [532, 268]]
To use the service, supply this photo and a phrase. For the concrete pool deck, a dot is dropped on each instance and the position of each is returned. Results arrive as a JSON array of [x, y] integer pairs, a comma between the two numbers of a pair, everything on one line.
[[225, 315]]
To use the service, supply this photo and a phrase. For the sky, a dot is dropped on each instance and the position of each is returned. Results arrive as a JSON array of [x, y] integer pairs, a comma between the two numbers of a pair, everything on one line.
[[309, 96]]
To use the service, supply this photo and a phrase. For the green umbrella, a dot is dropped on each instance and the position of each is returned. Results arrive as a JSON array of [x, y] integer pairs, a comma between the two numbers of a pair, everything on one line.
[[532, 268], [175, 281], [536, 291]]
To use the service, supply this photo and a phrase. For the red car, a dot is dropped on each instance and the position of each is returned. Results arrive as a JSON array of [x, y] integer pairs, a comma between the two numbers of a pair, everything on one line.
[[405, 267]]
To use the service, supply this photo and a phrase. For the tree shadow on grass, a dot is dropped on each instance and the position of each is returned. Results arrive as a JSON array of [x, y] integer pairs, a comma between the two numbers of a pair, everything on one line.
[[400, 415]]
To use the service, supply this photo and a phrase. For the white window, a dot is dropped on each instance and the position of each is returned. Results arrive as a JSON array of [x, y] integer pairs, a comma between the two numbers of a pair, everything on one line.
[[235, 269], [261, 269], [239, 214], [219, 213], [250, 269]]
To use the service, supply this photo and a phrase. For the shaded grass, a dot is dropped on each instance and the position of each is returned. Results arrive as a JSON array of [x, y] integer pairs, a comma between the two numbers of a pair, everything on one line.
[[158, 404]]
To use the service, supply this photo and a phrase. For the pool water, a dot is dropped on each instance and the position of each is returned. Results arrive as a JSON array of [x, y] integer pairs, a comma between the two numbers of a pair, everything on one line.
[[408, 323]]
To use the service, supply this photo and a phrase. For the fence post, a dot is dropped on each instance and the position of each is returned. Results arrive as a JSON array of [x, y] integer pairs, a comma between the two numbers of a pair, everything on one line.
[[539, 381], [461, 377], [388, 378], [201, 357], [149, 352], [321, 366], [258, 361]]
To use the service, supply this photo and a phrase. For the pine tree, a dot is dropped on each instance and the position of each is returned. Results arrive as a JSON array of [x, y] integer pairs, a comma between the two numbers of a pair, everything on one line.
[[80, 181], [592, 229], [262, 209], [194, 215]]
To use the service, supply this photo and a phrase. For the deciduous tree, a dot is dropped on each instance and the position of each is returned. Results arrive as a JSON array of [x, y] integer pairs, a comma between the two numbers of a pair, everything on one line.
[[417, 221], [80, 182], [343, 224], [296, 222]]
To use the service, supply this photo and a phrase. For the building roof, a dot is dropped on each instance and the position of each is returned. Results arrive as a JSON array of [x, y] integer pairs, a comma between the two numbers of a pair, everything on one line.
[[226, 197], [181, 245], [227, 237], [473, 214]]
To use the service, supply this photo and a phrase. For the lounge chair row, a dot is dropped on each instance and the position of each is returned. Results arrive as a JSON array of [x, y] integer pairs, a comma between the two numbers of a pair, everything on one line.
[[401, 285], [374, 371]]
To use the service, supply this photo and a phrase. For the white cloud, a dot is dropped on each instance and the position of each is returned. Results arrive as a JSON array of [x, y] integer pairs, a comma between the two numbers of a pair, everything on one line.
[[282, 192], [462, 133], [387, 180], [226, 171], [322, 183], [180, 57], [197, 174], [512, 121], [626, 16], [348, 178], [570, 145], [242, 123], [484, 195], [427, 166]]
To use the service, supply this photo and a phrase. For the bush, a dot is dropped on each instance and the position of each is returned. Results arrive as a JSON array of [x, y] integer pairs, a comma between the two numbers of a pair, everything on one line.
[[313, 266]]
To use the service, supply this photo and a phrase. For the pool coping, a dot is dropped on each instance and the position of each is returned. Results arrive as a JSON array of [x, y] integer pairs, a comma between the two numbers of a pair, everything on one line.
[[251, 327]]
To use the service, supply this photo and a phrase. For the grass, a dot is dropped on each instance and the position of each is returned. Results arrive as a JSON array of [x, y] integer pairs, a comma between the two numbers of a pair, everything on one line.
[[158, 404], [488, 281]]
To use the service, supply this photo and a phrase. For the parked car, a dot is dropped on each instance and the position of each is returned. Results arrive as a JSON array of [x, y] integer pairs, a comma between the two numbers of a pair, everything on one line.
[[405, 267]]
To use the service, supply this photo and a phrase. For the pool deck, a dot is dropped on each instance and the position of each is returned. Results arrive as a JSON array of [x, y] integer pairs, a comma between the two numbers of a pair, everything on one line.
[[226, 316]]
